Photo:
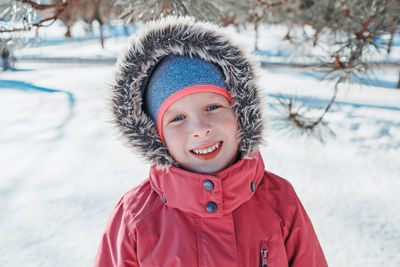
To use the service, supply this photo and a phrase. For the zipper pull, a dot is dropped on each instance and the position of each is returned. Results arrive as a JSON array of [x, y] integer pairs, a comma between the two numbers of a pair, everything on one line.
[[264, 256]]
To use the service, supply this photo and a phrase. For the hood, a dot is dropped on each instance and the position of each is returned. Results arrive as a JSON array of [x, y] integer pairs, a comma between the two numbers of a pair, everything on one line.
[[182, 36]]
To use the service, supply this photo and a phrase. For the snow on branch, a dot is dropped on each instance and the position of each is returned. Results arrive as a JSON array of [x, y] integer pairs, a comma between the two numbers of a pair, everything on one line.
[[18, 16]]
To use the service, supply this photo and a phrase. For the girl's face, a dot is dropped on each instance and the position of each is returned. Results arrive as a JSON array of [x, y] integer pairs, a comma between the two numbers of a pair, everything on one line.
[[201, 132]]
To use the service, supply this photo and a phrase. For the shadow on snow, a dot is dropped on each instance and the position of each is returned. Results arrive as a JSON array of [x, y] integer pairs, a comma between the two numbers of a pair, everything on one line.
[[371, 79], [28, 87]]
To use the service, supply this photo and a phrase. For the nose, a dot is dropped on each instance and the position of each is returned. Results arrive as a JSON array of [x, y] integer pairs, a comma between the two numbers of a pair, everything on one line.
[[201, 128]]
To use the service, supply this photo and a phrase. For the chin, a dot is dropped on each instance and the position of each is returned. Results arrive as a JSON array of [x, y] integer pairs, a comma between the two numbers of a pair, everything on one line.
[[208, 168]]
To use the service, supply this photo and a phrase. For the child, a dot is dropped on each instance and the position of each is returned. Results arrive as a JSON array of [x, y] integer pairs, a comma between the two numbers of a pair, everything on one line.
[[186, 99]]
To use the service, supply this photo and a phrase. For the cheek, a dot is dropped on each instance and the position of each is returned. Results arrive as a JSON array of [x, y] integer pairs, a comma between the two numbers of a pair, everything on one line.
[[174, 140], [228, 124], [171, 136]]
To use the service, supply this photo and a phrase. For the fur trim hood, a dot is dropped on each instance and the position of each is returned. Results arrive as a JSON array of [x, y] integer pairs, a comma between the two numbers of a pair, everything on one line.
[[182, 36]]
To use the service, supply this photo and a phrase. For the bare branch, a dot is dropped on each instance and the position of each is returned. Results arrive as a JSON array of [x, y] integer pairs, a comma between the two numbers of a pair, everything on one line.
[[44, 7], [271, 4], [59, 8]]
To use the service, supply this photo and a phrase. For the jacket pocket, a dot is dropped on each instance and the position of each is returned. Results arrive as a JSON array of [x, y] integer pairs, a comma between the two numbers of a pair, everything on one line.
[[263, 254]]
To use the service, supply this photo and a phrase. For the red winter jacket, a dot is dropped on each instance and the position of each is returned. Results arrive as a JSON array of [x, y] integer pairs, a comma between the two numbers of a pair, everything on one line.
[[242, 216]]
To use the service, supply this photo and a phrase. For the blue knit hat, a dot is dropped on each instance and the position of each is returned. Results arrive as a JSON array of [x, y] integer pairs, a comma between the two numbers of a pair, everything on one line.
[[177, 76]]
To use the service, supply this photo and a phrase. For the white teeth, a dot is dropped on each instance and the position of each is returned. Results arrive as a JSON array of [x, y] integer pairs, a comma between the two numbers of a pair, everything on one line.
[[205, 151]]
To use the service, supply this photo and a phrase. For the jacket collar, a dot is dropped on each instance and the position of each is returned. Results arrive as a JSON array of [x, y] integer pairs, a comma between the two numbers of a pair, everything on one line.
[[186, 191]]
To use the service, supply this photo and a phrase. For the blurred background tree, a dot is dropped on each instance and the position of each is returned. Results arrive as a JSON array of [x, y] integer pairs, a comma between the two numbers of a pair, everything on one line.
[[89, 11], [141, 10]]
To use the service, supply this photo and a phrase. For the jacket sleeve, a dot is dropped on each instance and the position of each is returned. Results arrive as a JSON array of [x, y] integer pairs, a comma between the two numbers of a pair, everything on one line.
[[302, 246], [117, 246]]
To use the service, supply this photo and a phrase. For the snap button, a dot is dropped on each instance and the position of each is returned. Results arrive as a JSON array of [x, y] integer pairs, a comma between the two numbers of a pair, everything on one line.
[[208, 185], [164, 198], [211, 207], [253, 186]]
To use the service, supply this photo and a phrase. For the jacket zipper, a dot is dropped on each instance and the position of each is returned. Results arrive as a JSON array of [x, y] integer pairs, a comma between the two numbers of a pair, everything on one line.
[[264, 254]]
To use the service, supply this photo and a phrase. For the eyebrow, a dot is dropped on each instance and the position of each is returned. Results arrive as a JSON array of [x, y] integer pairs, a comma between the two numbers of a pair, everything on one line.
[[171, 112], [213, 101]]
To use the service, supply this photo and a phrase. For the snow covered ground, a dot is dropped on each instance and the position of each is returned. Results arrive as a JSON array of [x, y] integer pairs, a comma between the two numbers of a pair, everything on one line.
[[63, 167]]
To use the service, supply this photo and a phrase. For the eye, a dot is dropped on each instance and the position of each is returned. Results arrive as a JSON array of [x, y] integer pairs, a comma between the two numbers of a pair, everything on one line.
[[177, 118], [212, 107]]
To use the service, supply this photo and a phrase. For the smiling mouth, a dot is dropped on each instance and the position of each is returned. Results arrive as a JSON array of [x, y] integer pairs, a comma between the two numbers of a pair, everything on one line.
[[207, 153], [206, 150]]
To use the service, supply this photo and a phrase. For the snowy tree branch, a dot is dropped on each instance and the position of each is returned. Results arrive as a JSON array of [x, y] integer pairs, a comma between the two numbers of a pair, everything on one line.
[[27, 24], [44, 6]]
